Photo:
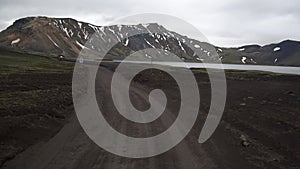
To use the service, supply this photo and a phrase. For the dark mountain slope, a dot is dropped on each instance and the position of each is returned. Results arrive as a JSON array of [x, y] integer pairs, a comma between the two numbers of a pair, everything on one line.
[[66, 36]]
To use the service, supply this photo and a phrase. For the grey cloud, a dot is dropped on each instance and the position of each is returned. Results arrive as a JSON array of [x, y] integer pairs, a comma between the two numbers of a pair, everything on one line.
[[224, 23]]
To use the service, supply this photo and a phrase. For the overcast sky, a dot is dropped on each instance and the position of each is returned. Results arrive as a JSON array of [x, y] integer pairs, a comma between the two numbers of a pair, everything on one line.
[[223, 22]]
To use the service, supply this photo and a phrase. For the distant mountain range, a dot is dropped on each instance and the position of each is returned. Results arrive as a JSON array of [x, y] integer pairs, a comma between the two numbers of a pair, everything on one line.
[[284, 53], [65, 36]]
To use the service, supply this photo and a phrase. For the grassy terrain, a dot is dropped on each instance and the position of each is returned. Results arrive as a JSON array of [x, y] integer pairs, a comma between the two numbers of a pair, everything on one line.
[[35, 100], [13, 62]]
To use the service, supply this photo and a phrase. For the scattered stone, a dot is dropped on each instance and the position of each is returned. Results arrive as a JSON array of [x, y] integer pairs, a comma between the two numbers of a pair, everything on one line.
[[290, 93], [243, 137], [244, 141], [275, 160], [263, 102]]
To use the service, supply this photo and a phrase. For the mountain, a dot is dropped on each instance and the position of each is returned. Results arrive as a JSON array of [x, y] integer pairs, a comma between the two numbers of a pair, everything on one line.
[[66, 36], [284, 53]]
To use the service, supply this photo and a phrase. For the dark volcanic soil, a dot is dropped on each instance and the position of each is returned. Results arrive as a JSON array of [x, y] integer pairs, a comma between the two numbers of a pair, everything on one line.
[[259, 128], [33, 108], [260, 125]]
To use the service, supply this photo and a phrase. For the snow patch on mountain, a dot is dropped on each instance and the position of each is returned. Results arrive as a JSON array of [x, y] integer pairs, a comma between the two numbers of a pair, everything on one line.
[[244, 59], [126, 42], [120, 27], [79, 44], [252, 60], [15, 41], [196, 46], [80, 24], [66, 31], [52, 41], [276, 49], [200, 59], [182, 48], [149, 43], [145, 25]]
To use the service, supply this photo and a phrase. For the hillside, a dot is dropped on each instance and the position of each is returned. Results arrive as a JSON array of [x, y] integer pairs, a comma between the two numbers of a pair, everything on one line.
[[283, 53], [65, 36]]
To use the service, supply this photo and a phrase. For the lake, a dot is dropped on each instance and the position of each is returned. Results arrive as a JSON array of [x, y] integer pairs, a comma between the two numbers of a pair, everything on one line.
[[274, 69]]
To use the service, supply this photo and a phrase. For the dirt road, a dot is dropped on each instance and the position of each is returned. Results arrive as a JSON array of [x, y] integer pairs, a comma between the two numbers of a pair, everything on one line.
[[71, 148]]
